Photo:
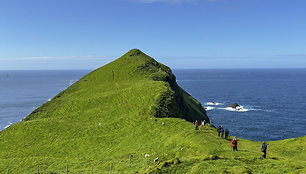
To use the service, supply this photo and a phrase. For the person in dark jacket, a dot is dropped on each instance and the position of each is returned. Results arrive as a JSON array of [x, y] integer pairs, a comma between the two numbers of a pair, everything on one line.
[[219, 130], [226, 133], [222, 132], [264, 147]]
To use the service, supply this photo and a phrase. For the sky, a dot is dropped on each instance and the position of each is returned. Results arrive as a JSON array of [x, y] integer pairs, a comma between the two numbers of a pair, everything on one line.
[[182, 34]]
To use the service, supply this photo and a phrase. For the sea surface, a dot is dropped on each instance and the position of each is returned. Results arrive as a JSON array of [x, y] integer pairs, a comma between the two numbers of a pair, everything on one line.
[[23, 91], [273, 101]]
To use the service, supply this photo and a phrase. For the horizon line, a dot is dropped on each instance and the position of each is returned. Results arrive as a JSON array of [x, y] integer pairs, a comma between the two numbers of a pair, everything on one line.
[[171, 69]]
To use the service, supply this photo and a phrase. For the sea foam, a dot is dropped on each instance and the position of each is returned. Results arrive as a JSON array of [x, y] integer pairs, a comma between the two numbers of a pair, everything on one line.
[[239, 109], [213, 103], [8, 125], [207, 108]]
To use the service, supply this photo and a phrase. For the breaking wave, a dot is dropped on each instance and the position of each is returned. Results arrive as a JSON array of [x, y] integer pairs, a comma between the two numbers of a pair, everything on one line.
[[213, 103], [207, 108], [239, 109], [8, 125]]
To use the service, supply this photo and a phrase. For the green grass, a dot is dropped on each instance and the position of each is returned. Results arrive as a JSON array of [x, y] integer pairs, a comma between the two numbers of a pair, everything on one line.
[[102, 119]]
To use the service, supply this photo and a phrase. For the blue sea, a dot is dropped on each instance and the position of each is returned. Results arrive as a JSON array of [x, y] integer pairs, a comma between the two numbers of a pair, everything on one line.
[[23, 91], [273, 101]]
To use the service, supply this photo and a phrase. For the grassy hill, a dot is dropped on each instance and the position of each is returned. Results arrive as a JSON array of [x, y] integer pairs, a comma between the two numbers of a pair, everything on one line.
[[133, 106]]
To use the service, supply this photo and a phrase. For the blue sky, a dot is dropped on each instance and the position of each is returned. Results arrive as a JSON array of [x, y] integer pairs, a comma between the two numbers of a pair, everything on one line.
[[86, 34]]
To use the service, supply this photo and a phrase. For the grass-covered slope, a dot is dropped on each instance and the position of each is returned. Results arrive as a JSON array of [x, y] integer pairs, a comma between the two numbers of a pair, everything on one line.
[[132, 106], [133, 82]]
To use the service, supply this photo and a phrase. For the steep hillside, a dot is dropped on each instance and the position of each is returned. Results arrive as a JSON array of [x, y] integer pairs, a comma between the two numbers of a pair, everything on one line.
[[132, 106], [139, 78]]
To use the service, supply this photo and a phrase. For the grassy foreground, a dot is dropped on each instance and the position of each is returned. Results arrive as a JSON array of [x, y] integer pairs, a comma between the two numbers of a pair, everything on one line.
[[133, 106]]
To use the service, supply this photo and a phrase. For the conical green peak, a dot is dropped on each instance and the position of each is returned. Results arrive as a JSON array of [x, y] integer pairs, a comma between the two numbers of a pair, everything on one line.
[[134, 52], [135, 72]]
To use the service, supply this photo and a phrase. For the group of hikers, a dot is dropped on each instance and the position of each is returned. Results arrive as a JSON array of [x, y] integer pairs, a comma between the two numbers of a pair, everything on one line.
[[264, 147], [234, 142], [222, 132], [197, 124]]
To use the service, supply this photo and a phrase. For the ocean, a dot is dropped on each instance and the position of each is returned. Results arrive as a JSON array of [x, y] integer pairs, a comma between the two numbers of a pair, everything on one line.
[[272, 101], [23, 91]]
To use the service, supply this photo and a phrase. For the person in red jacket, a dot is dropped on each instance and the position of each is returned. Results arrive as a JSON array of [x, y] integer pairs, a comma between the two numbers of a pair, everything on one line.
[[234, 144], [196, 123]]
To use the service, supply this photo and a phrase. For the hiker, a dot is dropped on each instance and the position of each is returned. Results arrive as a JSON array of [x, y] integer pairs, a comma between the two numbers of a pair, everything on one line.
[[226, 133], [234, 144], [196, 123], [219, 130], [264, 147], [222, 132], [203, 123]]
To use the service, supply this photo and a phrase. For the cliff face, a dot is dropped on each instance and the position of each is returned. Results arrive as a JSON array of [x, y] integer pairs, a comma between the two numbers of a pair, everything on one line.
[[175, 102]]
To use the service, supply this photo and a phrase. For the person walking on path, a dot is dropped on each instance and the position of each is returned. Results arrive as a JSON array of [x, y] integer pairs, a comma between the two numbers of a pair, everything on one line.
[[264, 147], [226, 133], [219, 130], [234, 144], [196, 123], [222, 132]]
